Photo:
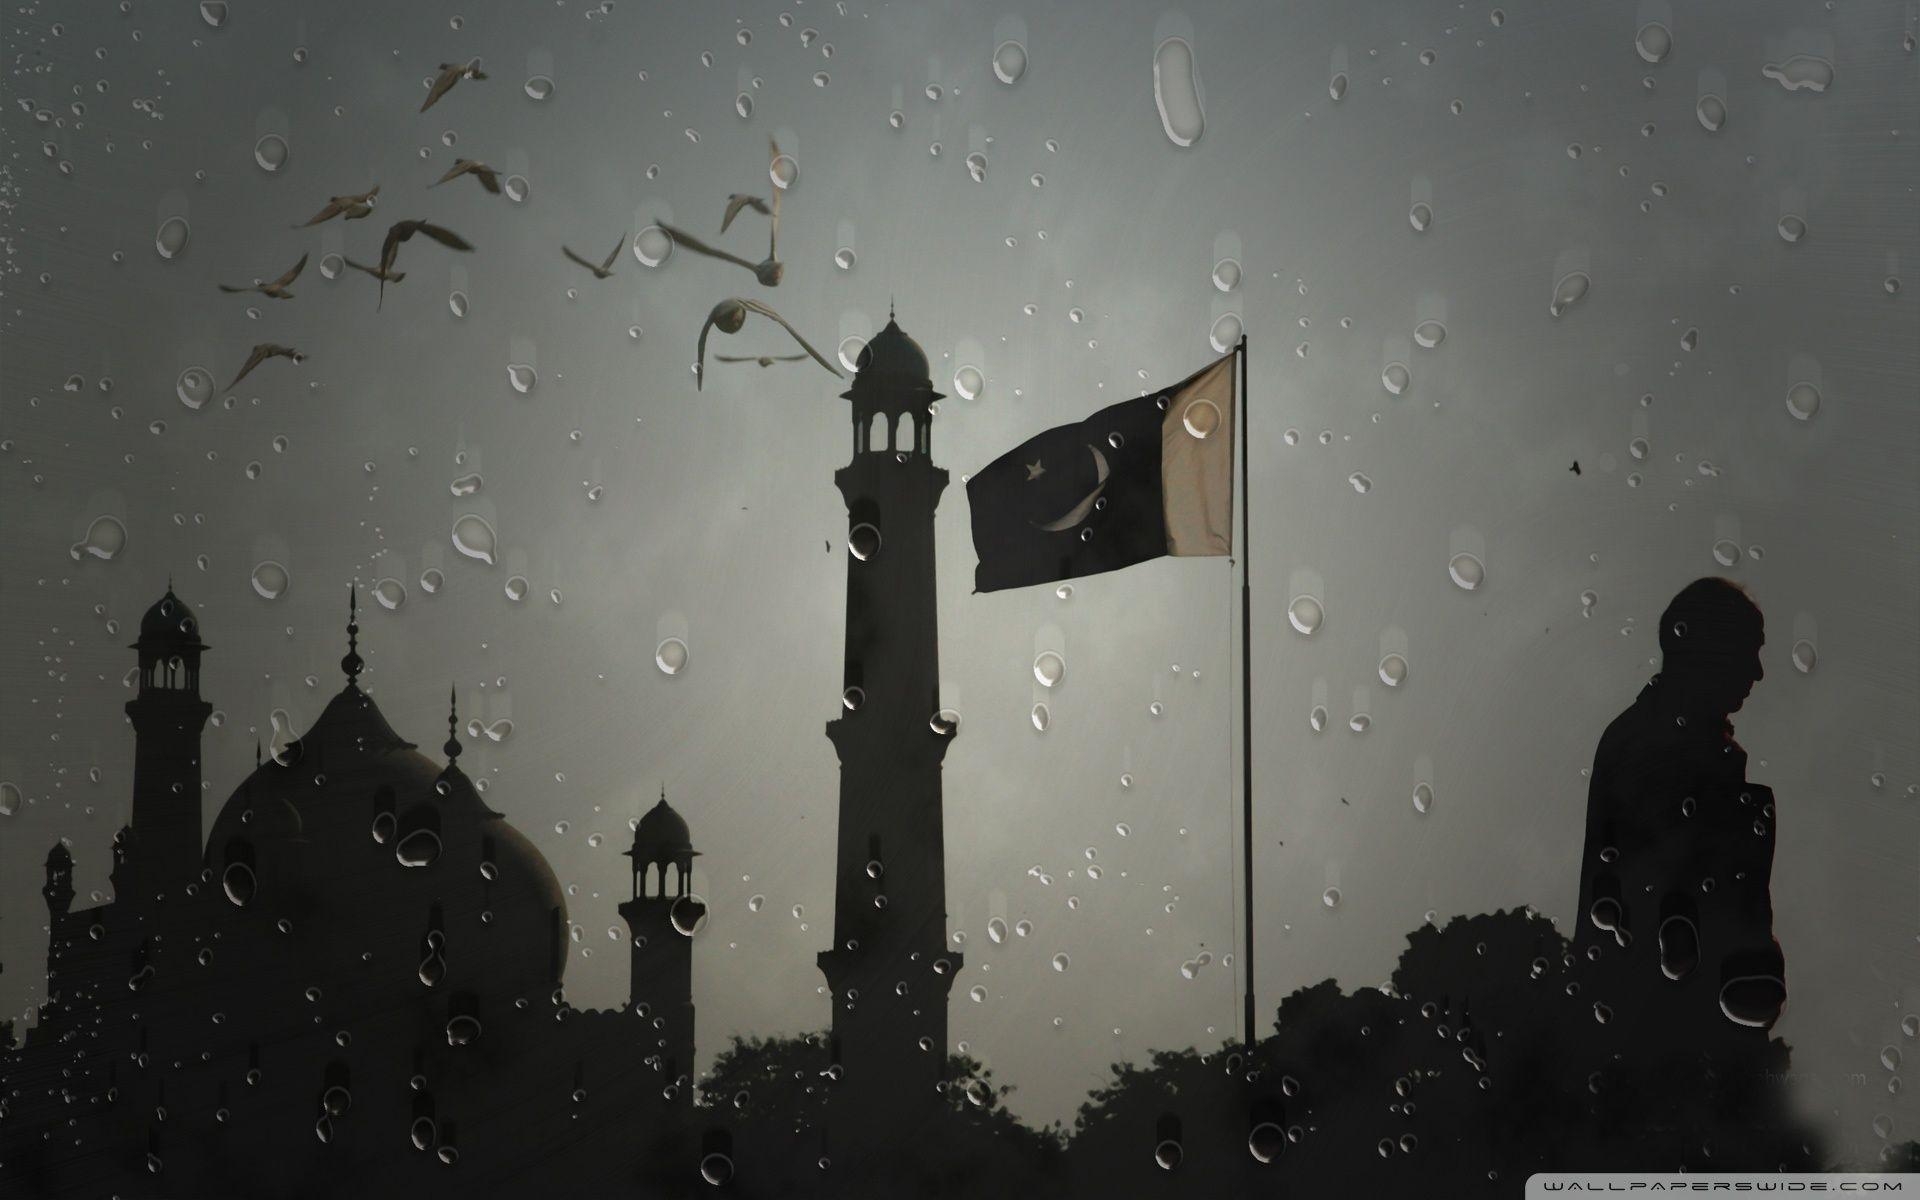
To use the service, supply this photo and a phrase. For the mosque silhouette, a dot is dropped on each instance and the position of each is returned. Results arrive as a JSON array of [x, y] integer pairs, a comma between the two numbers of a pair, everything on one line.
[[351, 984]]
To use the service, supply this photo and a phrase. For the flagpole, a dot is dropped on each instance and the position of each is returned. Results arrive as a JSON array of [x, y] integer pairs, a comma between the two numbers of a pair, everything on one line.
[[1246, 691]]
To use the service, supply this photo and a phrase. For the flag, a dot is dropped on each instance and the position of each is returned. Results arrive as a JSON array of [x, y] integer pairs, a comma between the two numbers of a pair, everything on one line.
[[1144, 478]]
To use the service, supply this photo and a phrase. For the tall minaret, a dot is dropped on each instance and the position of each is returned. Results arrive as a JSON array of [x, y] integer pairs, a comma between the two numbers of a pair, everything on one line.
[[661, 918], [890, 968], [167, 715]]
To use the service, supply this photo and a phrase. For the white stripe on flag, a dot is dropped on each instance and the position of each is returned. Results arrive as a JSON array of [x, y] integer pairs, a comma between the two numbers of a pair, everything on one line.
[[1196, 463]]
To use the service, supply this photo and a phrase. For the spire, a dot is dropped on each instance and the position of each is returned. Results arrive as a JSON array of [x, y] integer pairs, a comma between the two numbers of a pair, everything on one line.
[[352, 663], [889, 306], [453, 726], [256, 754]]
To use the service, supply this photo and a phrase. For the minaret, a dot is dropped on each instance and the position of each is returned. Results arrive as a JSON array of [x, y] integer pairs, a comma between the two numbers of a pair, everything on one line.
[[58, 889], [890, 968], [167, 715], [661, 918]]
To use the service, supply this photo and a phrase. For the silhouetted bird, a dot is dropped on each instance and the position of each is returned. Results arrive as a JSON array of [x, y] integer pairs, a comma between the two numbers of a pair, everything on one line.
[[765, 360], [450, 74], [376, 272], [402, 231], [488, 177], [1575, 468], [1675, 914], [738, 201], [350, 208], [729, 315], [261, 353], [276, 288], [604, 269]]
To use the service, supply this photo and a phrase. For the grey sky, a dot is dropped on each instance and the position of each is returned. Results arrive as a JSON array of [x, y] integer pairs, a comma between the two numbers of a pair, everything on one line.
[[714, 506]]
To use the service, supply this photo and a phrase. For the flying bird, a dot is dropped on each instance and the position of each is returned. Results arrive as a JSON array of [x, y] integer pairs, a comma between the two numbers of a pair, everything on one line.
[[276, 288], [261, 353], [376, 272], [738, 201], [352, 207], [765, 360], [730, 314], [1575, 468], [602, 270], [450, 74], [488, 177], [401, 231]]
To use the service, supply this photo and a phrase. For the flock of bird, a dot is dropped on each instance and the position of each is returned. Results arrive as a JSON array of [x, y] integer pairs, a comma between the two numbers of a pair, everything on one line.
[[728, 316]]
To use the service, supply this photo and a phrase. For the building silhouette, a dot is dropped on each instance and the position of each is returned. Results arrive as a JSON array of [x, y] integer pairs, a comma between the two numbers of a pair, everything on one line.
[[890, 968], [353, 987]]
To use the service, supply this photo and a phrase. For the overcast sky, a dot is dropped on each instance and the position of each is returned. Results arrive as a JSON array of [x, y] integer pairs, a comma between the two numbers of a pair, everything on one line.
[[1077, 271]]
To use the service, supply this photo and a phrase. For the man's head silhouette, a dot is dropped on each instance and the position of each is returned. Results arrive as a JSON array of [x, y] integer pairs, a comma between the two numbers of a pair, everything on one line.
[[1710, 639]]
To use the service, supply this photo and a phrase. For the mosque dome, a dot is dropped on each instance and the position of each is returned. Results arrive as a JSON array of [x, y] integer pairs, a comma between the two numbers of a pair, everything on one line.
[[662, 835], [170, 622], [364, 845], [893, 362]]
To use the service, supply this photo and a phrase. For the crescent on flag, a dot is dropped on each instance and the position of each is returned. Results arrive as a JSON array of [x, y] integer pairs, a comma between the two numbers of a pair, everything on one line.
[[1078, 512]]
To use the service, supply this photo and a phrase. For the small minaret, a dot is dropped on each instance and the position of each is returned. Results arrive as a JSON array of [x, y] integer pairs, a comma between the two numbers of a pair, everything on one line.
[[890, 967], [59, 885], [167, 714], [661, 918]]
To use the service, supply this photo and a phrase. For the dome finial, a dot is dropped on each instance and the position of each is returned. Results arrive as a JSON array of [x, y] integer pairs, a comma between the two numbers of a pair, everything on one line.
[[352, 663], [453, 725]]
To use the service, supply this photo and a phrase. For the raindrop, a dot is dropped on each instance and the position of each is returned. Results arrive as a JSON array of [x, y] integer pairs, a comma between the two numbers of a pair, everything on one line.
[[331, 265], [421, 848], [474, 537], [1428, 334], [1225, 334], [1331, 897], [863, 541], [1061, 962], [457, 303], [516, 188], [1801, 72], [853, 698], [1568, 291], [1009, 62], [1360, 483], [1226, 274], [1466, 571], [1337, 86], [10, 798], [270, 580], [1393, 670], [1654, 42], [390, 593], [670, 656], [784, 171], [977, 993], [170, 241], [270, 153], [1804, 656], [1803, 400], [1049, 668], [516, 588], [1420, 216], [1726, 553], [1305, 614], [652, 246], [431, 580], [1176, 90], [1042, 717], [688, 914], [239, 883], [1423, 798], [977, 166], [538, 87], [522, 377], [849, 352], [213, 12], [844, 258], [1792, 228], [1317, 719], [946, 722], [105, 538], [1396, 378], [1711, 111]]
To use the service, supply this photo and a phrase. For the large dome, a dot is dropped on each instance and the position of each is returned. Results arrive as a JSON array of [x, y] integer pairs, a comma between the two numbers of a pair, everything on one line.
[[893, 363], [362, 845]]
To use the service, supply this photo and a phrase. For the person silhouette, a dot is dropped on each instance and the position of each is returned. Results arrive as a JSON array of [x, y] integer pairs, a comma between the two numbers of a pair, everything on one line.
[[1676, 921]]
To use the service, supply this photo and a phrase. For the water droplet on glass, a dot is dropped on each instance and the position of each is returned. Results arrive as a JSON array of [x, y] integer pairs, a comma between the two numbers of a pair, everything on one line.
[[1803, 400], [1466, 571], [1393, 670], [1711, 111], [194, 387], [670, 656], [1041, 717], [1337, 86], [977, 166], [431, 580], [1331, 897], [1420, 216], [1049, 668], [270, 580], [1428, 334], [213, 12], [1360, 483], [1568, 291], [390, 593], [522, 377], [538, 87], [1726, 553], [1396, 378], [457, 303], [516, 188], [1423, 798], [849, 352], [331, 265], [1226, 274], [1804, 656], [1802, 72], [1225, 334], [1176, 91], [271, 152], [844, 258], [784, 171], [171, 239], [652, 246], [1305, 614], [516, 588], [474, 537], [688, 914], [1654, 42], [1009, 62]]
